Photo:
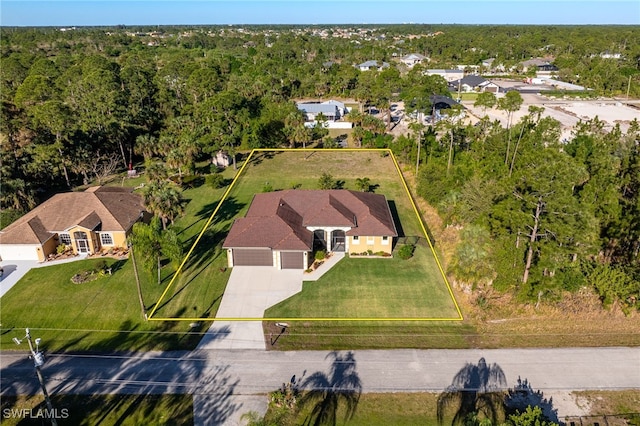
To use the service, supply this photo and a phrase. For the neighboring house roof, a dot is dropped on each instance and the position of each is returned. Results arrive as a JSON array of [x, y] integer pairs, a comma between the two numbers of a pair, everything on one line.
[[442, 71], [470, 80], [413, 58], [373, 64], [339, 104], [109, 209], [441, 102], [279, 220], [315, 108]]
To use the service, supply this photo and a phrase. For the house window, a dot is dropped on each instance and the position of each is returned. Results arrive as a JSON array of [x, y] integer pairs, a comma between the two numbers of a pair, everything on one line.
[[369, 240], [356, 239], [106, 239], [385, 240], [65, 239]]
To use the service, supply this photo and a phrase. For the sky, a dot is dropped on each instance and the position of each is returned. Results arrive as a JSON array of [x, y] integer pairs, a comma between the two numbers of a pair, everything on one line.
[[203, 12]]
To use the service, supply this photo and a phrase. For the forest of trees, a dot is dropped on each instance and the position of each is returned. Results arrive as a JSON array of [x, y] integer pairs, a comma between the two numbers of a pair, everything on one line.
[[539, 217]]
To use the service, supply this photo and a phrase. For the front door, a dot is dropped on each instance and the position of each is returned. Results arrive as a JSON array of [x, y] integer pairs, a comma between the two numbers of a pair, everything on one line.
[[83, 246], [338, 240], [82, 242]]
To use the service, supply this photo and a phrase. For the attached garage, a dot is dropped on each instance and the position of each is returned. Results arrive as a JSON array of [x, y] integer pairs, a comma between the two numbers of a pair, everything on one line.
[[19, 251], [292, 259], [252, 257]]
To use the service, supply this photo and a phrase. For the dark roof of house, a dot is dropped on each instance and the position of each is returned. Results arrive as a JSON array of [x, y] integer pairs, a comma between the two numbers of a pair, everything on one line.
[[470, 80], [442, 102], [279, 220], [111, 209]]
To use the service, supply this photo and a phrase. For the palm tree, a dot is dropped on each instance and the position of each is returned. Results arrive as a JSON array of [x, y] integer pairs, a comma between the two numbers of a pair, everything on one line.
[[156, 172], [152, 243], [146, 145], [341, 386], [163, 199], [475, 389], [363, 184]]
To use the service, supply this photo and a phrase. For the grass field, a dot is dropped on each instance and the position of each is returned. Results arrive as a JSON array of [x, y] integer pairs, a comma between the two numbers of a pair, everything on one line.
[[373, 288]]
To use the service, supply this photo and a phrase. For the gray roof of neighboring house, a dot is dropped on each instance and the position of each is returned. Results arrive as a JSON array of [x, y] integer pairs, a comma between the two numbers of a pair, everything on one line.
[[536, 62], [413, 56], [377, 64], [278, 220], [113, 209], [470, 80], [314, 108]]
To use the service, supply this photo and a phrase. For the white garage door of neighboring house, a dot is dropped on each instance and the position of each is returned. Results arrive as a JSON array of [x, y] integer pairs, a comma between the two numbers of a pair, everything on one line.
[[19, 251], [292, 259], [252, 257]]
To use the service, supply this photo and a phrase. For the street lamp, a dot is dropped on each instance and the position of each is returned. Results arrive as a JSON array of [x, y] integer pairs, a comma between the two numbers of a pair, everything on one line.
[[38, 361]]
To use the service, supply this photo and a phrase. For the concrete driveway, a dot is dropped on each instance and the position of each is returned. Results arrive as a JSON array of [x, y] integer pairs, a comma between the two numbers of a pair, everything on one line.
[[13, 271], [250, 290]]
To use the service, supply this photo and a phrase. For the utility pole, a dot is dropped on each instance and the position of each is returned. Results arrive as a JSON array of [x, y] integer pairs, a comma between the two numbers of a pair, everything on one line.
[[38, 361]]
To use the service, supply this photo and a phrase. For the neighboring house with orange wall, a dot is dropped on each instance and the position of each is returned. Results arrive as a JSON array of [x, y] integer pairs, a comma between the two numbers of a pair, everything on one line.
[[282, 228], [88, 222]]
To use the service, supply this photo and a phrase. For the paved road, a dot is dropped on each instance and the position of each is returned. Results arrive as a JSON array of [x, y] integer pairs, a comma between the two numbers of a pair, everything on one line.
[[230, 375]]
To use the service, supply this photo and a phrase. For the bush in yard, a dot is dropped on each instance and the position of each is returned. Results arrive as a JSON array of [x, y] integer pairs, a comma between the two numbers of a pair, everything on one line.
[[61, 248], [320, 254], [215, 180], [406, 252]]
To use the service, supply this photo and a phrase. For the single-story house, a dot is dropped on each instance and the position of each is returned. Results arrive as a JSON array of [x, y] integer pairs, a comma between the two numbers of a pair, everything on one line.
[[332, 110], [372, 65], [474, 83], [449, 75], [87, 222], [282, 228], [440, 102], [413, 59], [540, 64]]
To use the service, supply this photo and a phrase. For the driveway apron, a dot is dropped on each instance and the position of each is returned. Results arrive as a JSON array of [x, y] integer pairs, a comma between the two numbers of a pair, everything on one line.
[[250, 290]]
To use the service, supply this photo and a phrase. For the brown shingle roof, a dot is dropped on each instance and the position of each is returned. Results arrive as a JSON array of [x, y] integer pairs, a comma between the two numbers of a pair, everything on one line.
[[113, 208], [278, 220]]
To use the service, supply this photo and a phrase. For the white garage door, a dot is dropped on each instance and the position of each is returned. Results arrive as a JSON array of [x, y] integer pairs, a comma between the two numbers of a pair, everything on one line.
[[19, 251]]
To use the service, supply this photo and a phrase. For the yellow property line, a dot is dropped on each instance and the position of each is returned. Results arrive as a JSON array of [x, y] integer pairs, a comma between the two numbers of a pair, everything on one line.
[[204, 228], [150, 317]]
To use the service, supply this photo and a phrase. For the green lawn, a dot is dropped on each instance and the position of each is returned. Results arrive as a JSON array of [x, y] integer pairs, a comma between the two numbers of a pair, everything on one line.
[[398, 409], [105, 314], [373, 288], [98, 315]]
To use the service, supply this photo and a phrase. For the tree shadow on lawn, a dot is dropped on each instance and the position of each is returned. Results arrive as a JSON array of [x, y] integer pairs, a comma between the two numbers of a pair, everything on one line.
[[324, 393], [228, 210], [126, 373], [259, 157], [479, 389]]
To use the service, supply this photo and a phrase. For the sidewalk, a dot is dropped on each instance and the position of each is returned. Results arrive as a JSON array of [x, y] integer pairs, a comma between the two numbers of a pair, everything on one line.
[[324, 268]]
